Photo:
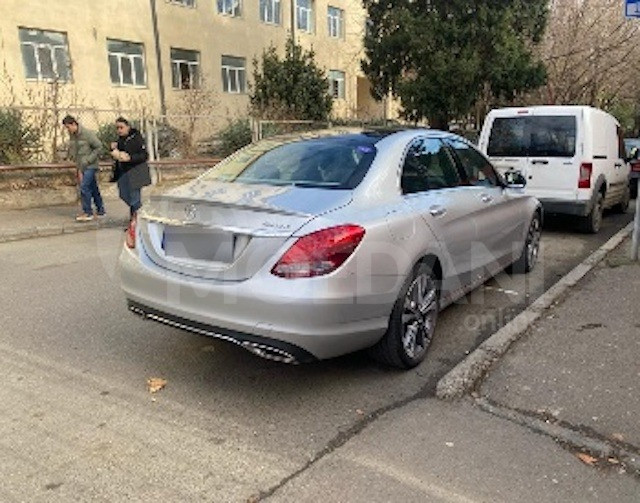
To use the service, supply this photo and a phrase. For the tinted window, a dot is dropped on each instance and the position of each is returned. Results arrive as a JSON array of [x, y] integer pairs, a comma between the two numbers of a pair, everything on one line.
[[333, 162], [531, 136], [428, 166], [475, 167]]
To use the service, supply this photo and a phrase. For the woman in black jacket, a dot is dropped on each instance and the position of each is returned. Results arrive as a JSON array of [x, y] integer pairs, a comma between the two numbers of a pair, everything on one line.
[[131, 168]]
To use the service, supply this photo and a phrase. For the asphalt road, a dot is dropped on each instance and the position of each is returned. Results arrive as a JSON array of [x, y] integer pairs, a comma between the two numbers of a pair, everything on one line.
[[78, 423]]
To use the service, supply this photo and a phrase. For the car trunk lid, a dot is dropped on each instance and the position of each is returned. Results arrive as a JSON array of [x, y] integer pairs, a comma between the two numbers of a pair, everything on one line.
[[228, 231]]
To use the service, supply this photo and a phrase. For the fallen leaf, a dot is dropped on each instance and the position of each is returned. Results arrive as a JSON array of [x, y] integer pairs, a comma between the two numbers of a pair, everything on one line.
[[587, 459], [618, 436], [449, 444], [155, 384], [613, 461], [360, 412]]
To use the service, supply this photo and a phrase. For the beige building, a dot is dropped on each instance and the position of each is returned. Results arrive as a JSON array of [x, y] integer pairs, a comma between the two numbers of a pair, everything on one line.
[[121, 54]]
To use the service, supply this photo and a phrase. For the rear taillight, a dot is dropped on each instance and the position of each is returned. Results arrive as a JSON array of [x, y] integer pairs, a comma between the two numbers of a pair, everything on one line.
[[635, 166], [584, 182], [319, 253], [130, 236]]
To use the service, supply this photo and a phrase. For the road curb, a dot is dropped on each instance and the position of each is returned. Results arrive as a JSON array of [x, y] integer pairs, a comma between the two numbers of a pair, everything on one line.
[[464, 376], [56, 230]]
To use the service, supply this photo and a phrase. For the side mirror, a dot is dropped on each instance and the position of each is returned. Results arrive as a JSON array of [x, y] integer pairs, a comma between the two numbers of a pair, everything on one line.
[[515, 180]]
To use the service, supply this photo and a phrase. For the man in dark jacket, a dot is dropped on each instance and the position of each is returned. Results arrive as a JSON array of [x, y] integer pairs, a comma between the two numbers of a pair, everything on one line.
[[84, 150], [131, 169]]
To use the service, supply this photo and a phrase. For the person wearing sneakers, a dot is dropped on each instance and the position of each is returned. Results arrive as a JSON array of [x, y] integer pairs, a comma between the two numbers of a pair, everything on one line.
[[131, 169], [84, 150]]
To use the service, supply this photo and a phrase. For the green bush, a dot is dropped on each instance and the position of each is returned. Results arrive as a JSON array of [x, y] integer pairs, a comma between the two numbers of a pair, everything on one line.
[[234, 136], [18, 141]]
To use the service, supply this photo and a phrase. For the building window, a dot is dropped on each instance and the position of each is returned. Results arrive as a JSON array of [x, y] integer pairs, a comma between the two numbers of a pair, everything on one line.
[[335, 17], [184, 3], [45, 55], [185, 68], [336, 84], [270, 11], [305, 15], [234, 75], [126, 63], [229, 7]]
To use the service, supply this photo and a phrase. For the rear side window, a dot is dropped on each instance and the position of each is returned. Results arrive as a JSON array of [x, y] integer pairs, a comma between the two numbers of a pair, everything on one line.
[[428, 166], [533, 136], [475, 167], [338, 162]]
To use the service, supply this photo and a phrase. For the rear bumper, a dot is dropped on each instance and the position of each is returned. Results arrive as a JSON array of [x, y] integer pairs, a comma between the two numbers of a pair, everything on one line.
[[262, 346], [577, 208], [306, 319]]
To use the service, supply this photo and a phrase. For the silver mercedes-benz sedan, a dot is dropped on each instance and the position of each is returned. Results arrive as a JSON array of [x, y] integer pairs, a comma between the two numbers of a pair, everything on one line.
[[308, 247]]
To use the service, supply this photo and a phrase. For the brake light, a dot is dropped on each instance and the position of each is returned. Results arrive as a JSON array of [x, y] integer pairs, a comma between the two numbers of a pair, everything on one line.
[[130, 236], [584, 182], [635, 166], [319, 253]]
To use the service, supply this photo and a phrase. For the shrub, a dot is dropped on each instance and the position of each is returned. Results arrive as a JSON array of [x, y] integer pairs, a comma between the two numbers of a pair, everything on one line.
[[18, 141], [234, 136], [106, 134]]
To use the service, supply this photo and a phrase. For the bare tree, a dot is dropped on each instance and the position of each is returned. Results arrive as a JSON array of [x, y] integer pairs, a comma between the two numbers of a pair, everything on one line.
[[590, 52]]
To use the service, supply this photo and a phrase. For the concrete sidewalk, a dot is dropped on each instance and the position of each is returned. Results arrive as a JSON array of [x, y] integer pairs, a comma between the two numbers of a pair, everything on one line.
[[555, 420], [54, 220]]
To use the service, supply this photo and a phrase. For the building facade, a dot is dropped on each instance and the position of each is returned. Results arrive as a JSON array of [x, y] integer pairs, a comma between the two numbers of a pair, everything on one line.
[[127, 54]]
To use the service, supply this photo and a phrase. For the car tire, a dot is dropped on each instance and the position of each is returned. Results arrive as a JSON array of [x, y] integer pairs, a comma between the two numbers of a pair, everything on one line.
[[412, 322], [531, 249], [593, 221], [623, 205]]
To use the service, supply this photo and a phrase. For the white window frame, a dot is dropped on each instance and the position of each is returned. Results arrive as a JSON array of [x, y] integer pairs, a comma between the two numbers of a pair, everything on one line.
[[231, 8], [190, 4], [276, 7], [194, 83], [335, 19], [52, 51], [337, 77], [131, 57], [240, 73], [306, 13]]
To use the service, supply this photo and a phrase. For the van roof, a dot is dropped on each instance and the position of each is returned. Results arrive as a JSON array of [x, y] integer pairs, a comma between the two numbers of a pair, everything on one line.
[[545, 108]]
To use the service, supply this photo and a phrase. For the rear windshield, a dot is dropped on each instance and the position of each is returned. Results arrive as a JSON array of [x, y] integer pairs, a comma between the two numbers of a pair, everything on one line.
[[338, 162], [531, 136]]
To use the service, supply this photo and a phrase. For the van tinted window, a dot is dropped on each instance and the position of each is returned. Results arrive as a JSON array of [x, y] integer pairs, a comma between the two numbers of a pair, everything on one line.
[[531, 136]]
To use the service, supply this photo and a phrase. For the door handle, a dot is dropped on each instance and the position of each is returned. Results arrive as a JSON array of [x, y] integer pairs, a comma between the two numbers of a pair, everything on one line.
[[540, 161], [437, 211], [618, 165], [486, 198]]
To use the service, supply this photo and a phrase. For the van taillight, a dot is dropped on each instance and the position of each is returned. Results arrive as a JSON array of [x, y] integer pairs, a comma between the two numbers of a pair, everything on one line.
[[584, 182]]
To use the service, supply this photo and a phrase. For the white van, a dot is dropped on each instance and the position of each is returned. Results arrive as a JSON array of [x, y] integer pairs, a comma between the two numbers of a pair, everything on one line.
[[572, 157]]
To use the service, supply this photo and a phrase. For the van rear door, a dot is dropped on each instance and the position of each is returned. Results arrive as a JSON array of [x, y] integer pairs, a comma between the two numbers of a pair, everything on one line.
[[554, 164], [542, 145], [504, 140]]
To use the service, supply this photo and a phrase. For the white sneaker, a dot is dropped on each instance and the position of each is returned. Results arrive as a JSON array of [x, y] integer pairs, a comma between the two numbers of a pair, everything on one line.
[[84, 218]]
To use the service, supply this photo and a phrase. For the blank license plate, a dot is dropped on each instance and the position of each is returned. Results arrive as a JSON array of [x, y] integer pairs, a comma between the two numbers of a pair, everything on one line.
[[198, 244]]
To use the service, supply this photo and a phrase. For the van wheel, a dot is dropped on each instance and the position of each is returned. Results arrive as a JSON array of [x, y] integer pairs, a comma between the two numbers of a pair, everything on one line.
[[623, 205], [593, 221], [412, 322], [529, 257]]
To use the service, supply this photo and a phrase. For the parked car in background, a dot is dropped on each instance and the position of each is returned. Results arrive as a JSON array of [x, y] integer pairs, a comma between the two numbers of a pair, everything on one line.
[[632, 147], [309, 247], [573, 157]]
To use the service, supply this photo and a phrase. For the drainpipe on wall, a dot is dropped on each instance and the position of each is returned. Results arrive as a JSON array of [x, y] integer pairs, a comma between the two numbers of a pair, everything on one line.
[[293, 20], [156, 38]]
